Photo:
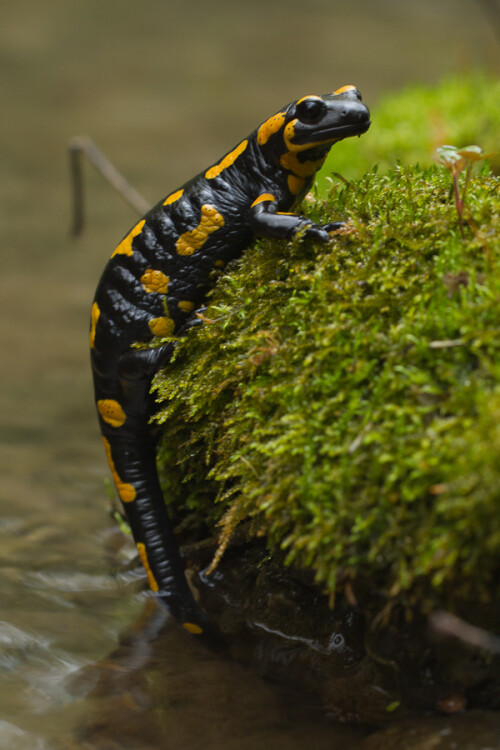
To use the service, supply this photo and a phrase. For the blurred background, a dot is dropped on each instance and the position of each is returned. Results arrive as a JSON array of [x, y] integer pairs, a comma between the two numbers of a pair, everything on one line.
[[164, 87]]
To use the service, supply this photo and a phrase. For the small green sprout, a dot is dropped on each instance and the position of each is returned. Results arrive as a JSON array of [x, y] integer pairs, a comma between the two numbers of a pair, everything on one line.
[[456, 159]]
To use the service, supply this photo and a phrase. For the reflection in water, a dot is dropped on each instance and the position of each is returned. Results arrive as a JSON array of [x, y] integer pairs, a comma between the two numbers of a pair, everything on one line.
[[163, 689], [164, 88]]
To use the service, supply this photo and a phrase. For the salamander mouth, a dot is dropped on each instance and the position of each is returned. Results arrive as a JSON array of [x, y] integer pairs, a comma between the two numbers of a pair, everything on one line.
[[333, 133], [342, 131]]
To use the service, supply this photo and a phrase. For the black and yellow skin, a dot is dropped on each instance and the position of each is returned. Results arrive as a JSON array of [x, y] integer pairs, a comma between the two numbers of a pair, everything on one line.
[[158, 276]]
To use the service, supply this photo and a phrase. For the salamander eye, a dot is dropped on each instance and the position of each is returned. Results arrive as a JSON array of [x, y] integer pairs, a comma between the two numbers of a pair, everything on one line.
[[310, 111]]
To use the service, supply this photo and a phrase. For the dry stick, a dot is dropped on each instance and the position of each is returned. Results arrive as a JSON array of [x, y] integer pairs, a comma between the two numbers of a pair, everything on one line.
[[448, 625], [80, 145]]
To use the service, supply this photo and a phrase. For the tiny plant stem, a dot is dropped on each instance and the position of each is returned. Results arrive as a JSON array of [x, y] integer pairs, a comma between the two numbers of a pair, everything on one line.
[[466, 182], [458, 203], [455, 160]]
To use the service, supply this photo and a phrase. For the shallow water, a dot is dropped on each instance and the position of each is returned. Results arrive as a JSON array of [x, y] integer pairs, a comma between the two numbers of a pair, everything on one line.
[[164, 89]]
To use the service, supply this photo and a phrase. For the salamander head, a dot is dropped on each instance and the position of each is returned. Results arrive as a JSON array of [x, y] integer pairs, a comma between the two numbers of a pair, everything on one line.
[[301, 134], [322, 120]]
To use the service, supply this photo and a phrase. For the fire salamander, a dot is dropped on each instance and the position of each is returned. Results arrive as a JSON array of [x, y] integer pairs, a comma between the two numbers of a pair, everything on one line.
[[157, 278]]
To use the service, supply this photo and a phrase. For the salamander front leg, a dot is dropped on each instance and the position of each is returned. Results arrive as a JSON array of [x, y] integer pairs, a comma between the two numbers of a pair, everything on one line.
[[266, 221]]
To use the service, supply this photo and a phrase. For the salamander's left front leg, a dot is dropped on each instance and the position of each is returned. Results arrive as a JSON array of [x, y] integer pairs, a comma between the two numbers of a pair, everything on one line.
[[266, 221]]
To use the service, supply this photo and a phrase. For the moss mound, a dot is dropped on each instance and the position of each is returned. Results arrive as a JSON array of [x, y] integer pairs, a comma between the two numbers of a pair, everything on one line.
[[346, 398]]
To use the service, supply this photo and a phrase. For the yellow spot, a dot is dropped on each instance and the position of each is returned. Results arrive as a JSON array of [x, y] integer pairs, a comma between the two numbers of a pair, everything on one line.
[[111, 411], [343, 89], [186, 305], [290, 162], [141, 549], [125, 246], [161, 326], [94, 317], [174, 197], [211, 220], [269, 127], [311, 96], [126, 491], [192, 628], [295, 184], [220, 263], [154, 281], [262, 198], [289, 133], [226, 161]]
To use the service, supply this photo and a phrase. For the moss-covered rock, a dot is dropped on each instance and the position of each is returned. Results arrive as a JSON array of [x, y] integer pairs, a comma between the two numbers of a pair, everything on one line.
[[346, 398]]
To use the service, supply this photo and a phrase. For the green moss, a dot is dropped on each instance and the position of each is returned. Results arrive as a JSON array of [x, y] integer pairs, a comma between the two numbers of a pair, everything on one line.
[[347, 398]]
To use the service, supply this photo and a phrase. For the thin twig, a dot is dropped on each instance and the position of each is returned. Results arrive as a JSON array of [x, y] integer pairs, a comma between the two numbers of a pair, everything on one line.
[[447, 625], [446, 343], [80, 145]]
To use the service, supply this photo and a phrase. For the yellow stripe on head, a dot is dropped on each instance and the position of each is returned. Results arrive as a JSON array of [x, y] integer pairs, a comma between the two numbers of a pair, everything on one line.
[[343, 89], [311, 96], [289, 133]]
